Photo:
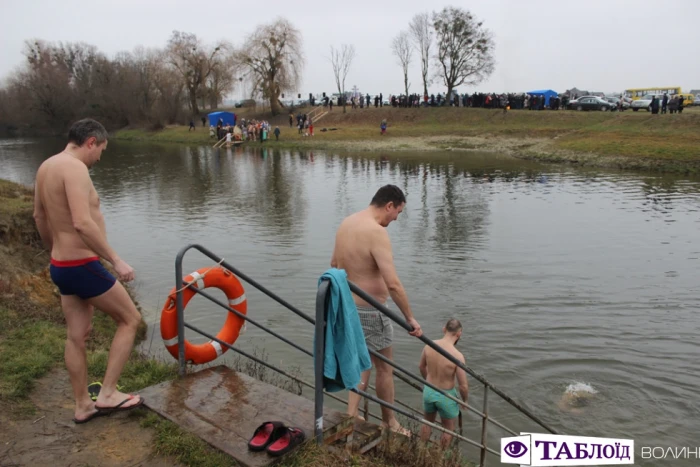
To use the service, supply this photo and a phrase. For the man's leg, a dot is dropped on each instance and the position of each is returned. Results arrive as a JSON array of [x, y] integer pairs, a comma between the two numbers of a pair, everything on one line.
[[446, 438], [78, 314], [385, 387], [117, 304], [425, 429], [354, 398]]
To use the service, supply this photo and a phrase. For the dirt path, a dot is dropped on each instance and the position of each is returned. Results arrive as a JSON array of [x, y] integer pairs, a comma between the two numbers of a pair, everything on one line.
[[50, 437]]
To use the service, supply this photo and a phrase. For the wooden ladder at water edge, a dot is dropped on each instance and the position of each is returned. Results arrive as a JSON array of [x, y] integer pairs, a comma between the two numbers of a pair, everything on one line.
[[220, 142], [317, 114]]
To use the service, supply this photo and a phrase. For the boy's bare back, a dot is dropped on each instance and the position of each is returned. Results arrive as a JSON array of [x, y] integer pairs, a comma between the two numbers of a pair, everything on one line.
[[441, 371]]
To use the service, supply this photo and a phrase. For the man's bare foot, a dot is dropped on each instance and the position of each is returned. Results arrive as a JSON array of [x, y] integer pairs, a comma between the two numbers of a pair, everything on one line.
[[396, 428], [117, 401], [84, 412]]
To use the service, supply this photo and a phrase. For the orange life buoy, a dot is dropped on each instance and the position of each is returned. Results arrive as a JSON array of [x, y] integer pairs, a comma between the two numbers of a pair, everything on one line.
[[203, 278]]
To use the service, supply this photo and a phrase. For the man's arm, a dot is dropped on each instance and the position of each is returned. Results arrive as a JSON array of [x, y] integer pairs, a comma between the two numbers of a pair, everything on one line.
[[41, 221], [381, 252], [78, 188], [423, 365], [462, 381], [334, 260]]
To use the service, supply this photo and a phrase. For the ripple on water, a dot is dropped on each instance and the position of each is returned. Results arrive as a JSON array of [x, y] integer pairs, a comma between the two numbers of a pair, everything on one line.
[[560, 275]]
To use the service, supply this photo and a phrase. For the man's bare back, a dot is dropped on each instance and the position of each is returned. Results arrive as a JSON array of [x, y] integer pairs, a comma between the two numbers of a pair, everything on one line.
[[51, 180], [357, 235]]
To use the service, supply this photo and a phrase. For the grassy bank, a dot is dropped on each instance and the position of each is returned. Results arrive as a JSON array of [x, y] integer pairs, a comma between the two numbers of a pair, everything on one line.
[[626, 140], [32, 337]]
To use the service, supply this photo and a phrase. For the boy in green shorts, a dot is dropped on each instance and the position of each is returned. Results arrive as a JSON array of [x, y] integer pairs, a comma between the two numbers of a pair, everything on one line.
[[441, 373]]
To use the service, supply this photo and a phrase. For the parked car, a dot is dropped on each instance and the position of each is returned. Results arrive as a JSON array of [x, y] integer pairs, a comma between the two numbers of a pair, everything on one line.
[[696, 101], [688, 99], [644, 103], [615, 101], [590, 103]]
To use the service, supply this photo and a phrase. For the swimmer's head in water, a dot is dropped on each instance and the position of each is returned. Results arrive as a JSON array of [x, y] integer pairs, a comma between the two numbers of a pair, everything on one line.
[[579, 399], [389, 201], [577, 396]]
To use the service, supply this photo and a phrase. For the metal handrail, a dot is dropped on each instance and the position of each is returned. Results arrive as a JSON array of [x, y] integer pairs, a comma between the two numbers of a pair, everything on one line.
[[319, 342], [321, 310], [394, 317], [322, 295]]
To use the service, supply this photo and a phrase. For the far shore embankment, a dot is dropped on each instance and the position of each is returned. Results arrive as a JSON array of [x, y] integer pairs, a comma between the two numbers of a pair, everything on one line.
[[626, 140]]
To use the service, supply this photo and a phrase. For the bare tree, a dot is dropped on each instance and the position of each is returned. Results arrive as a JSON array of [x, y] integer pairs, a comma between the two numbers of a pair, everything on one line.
[[464, 48], [221, 80], [421, 33], [402, 48], [61, 82], [273, 60], [46, 85], [341, 60], [193, 62]]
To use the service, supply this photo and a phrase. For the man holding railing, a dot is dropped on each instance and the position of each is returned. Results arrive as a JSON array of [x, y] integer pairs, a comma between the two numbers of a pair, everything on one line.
[[363, 250], [441, 372]]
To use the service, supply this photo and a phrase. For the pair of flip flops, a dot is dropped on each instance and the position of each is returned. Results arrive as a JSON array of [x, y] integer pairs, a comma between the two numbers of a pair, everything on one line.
[[276, 438]]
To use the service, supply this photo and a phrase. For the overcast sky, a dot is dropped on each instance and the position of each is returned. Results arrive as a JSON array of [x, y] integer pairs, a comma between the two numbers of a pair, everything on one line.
[[597, 45]]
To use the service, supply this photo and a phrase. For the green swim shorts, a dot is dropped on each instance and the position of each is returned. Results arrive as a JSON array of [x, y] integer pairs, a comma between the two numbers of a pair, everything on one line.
[[433, 401]]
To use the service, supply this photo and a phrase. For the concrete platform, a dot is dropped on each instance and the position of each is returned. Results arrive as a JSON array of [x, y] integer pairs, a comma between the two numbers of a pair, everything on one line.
[[224, 407]]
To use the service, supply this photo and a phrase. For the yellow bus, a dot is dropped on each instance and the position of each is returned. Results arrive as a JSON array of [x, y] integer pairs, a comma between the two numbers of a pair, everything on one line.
[[638, 93]]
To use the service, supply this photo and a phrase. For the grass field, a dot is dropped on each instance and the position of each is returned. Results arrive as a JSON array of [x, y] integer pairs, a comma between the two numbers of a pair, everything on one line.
[[634, 139]]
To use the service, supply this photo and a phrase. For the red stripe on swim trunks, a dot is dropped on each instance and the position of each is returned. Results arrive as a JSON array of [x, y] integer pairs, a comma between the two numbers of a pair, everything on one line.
[[73, 262]]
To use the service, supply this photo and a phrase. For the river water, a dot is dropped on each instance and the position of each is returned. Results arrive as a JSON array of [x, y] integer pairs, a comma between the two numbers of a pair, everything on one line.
[[561, 276]]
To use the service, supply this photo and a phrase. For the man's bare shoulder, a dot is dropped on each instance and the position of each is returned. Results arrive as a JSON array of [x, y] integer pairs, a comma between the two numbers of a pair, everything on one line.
[[360, 221], [62, 162]]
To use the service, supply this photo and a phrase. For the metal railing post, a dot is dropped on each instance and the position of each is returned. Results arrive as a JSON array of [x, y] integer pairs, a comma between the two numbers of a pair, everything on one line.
[[484, 427], [401, 322], [318, 355], [179, 301], [319, 349]]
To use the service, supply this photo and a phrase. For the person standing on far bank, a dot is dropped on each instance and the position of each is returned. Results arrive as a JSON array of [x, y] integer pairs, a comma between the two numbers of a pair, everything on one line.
[[68, 217]]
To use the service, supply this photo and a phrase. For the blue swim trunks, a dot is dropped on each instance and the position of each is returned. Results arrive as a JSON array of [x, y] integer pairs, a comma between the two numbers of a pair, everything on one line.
[[86, 278], [433, 401]]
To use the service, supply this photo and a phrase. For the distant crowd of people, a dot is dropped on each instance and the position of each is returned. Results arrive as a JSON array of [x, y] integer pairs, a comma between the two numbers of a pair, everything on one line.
[[673, 105], [246, 130], [481, 100]]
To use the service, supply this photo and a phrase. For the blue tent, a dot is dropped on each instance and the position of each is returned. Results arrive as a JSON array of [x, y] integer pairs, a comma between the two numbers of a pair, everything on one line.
[[547, 93], [227, 117]]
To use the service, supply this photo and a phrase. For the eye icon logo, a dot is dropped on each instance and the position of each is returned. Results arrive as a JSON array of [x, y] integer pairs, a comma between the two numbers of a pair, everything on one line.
[[515, 449]]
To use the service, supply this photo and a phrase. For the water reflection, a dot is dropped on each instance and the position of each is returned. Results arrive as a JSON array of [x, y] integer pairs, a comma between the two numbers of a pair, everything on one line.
[[559, 274]]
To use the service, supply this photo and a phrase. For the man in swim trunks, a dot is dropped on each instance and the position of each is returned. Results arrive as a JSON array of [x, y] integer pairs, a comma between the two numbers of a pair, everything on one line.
[[68, 217], [363, 250], [441, 373]]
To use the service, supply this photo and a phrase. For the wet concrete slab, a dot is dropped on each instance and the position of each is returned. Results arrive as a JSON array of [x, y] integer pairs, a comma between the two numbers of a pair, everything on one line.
[[224, 407]]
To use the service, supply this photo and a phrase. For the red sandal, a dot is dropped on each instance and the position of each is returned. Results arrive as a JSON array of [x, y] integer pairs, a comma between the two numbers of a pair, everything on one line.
[[266, 434], [291, 438]]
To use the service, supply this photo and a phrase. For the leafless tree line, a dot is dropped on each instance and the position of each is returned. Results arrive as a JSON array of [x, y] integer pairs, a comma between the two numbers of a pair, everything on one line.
[[61, 82], [463, 48]]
